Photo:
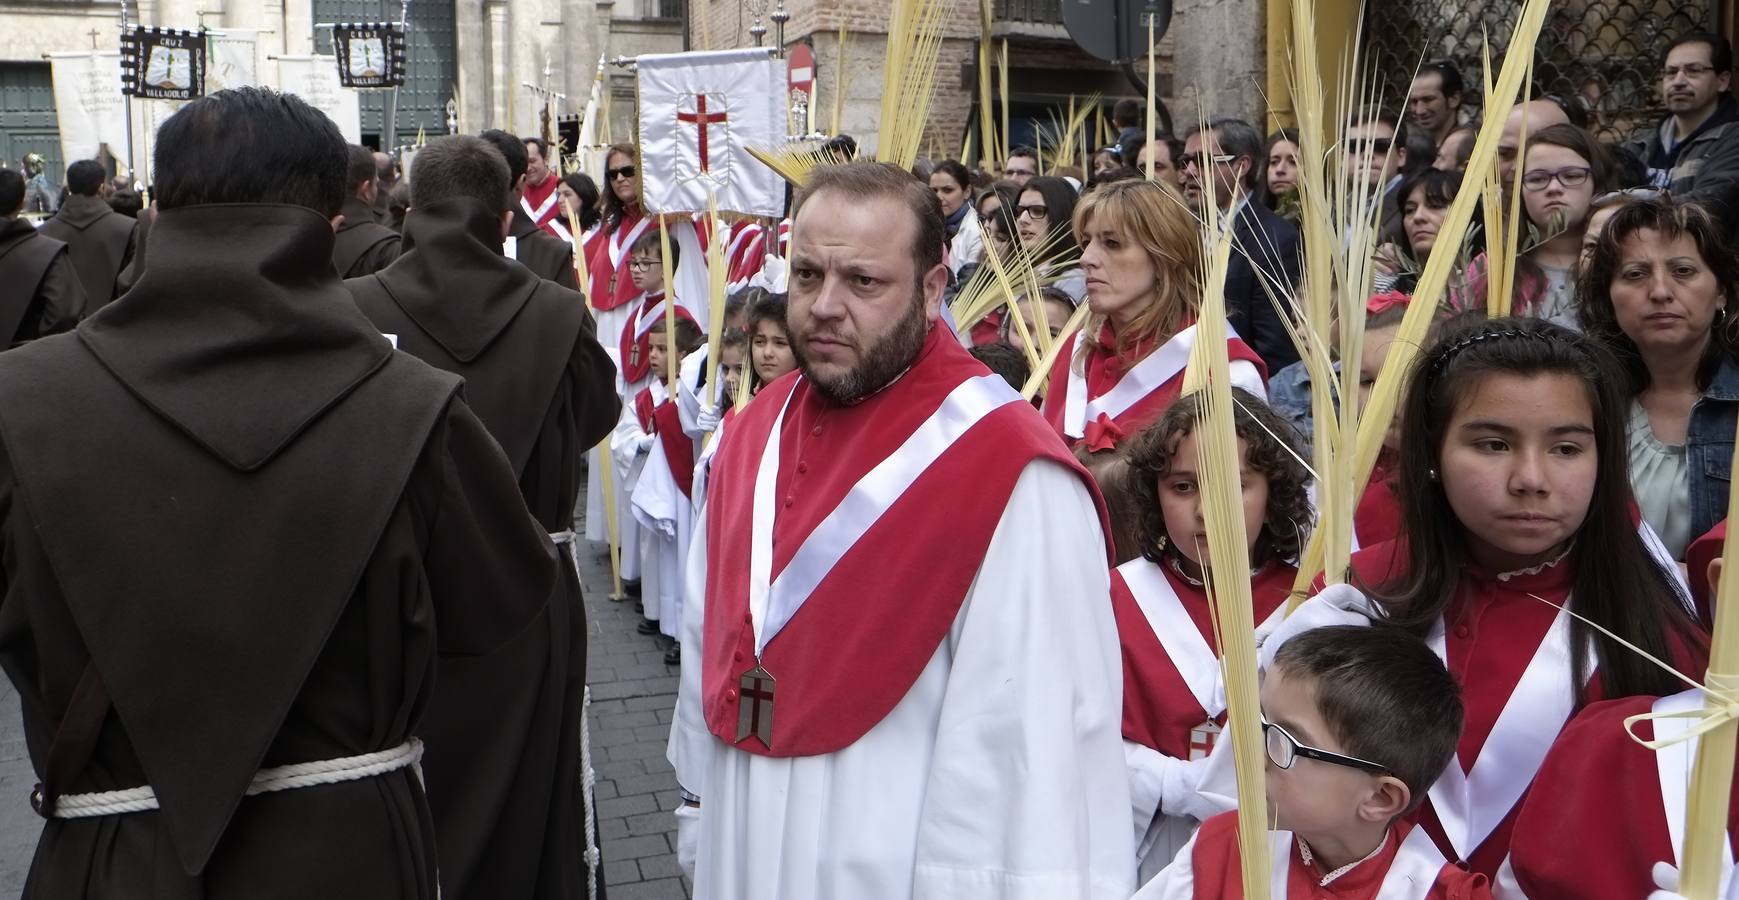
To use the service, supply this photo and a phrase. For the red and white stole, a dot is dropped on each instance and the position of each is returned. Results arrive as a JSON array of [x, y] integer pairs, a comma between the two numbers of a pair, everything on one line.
[[1166, 362], [545, 210], [1186, 649], [610, 281], [1412, 867], [1471, 804], [843, 588]]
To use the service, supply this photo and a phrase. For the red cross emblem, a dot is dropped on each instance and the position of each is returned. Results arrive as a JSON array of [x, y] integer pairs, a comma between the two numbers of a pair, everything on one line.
[[704, 121], [1202, 738], [755, 710]]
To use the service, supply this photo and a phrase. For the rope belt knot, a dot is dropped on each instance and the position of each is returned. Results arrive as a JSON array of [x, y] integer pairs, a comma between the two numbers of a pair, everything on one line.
[[277, 778]]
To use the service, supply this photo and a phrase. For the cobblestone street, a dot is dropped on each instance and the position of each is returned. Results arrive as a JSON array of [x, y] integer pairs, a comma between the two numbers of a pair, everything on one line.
[[633, 697]]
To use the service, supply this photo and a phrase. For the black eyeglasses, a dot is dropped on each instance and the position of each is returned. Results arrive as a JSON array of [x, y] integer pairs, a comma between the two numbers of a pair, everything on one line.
[[624, 172], [1571, 176], [640, 264], [1035, 210], [1284, 750]]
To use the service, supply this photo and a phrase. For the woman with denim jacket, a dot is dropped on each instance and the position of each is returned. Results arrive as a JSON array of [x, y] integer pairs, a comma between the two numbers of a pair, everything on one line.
[[1658, 289]]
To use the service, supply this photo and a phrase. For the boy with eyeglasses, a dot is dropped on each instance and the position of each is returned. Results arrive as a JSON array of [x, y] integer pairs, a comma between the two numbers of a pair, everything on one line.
[[1694, 151], [1357, 723]]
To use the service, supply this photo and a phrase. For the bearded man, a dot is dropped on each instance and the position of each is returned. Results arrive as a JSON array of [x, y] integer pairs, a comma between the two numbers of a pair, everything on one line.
[[904, 679]]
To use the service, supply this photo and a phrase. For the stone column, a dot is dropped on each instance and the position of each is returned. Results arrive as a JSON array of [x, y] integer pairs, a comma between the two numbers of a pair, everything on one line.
[[1219, 59], [473, 50], [500, 73]]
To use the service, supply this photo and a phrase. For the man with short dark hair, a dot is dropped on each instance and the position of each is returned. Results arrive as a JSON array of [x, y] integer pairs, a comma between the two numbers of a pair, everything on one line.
[[863, 689], [363, 245], [1434, 101], [1166, 152], [99, 240], [1694, 152], [1021, 166], [39, 289], [547, 256], [1126, 117], [1266, 249], [541, 194], [266, 527], [1374, 158], [505, 793]]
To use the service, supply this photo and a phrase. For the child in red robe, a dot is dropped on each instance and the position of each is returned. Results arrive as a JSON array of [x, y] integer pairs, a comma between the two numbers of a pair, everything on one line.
[[1516, 509], [1174, 700], [1357, 723]]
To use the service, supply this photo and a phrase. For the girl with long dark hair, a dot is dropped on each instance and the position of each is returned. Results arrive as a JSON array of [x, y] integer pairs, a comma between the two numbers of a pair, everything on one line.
[[1516, 511]]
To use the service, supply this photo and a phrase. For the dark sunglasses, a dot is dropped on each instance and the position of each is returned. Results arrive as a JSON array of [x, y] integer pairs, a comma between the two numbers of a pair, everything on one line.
[[1372, 146], [624, 172]]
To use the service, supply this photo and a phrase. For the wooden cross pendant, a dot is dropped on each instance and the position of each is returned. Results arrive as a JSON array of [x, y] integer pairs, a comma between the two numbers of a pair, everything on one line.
[[755, 707]]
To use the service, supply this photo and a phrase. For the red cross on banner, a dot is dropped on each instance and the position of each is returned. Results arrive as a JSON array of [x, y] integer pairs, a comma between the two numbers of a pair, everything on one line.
[[704, 121]]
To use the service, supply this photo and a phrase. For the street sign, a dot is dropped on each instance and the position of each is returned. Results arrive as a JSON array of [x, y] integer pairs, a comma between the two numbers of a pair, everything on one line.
[[1115, 30], [800, 79]]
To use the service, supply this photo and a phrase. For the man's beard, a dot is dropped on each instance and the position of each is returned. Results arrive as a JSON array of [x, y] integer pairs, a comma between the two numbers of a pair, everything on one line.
[[881, 364]]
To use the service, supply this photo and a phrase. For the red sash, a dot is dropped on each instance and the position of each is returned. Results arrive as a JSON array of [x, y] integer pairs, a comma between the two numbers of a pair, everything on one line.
[[1160, 707], [609, 261], [1105, 373], [884, 597], [541, 203], [678, 446]]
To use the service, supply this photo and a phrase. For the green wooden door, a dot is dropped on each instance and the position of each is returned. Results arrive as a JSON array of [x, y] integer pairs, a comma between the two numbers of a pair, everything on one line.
[[27, 118]]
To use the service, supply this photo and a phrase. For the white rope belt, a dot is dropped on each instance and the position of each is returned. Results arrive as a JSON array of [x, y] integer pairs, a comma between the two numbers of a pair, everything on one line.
[[278, 778], [588, 778]]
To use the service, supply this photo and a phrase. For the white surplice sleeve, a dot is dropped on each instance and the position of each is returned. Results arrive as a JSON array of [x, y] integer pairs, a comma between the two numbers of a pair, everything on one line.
[[691, 743], [1027, 795]]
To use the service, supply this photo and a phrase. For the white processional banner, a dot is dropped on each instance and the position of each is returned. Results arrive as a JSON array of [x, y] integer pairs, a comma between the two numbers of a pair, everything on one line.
[[89, 104], [699, 114], [315, 79], [232, 60]]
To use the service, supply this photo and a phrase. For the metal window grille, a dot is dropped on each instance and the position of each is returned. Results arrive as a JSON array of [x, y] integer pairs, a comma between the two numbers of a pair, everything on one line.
[[1604, 54]]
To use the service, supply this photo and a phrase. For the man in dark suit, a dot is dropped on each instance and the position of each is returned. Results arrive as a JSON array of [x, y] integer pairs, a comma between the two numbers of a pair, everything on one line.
[[99, 240], [1266, 248]]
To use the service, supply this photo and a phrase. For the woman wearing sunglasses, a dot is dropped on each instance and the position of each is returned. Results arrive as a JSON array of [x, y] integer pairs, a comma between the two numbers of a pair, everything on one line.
[[624, 223]]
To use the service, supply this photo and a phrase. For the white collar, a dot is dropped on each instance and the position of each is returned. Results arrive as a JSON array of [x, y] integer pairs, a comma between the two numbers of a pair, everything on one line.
[[1309, 860]]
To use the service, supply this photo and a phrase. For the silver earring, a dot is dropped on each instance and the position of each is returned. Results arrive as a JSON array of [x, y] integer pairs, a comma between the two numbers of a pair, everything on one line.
[[1431, 474]]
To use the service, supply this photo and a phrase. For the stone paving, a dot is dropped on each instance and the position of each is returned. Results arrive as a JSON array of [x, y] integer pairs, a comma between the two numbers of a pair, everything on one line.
[[633, 696]]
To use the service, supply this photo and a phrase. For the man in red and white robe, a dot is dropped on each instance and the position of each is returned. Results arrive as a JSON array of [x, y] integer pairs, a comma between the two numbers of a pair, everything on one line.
[[541, 197], [902, 679]]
